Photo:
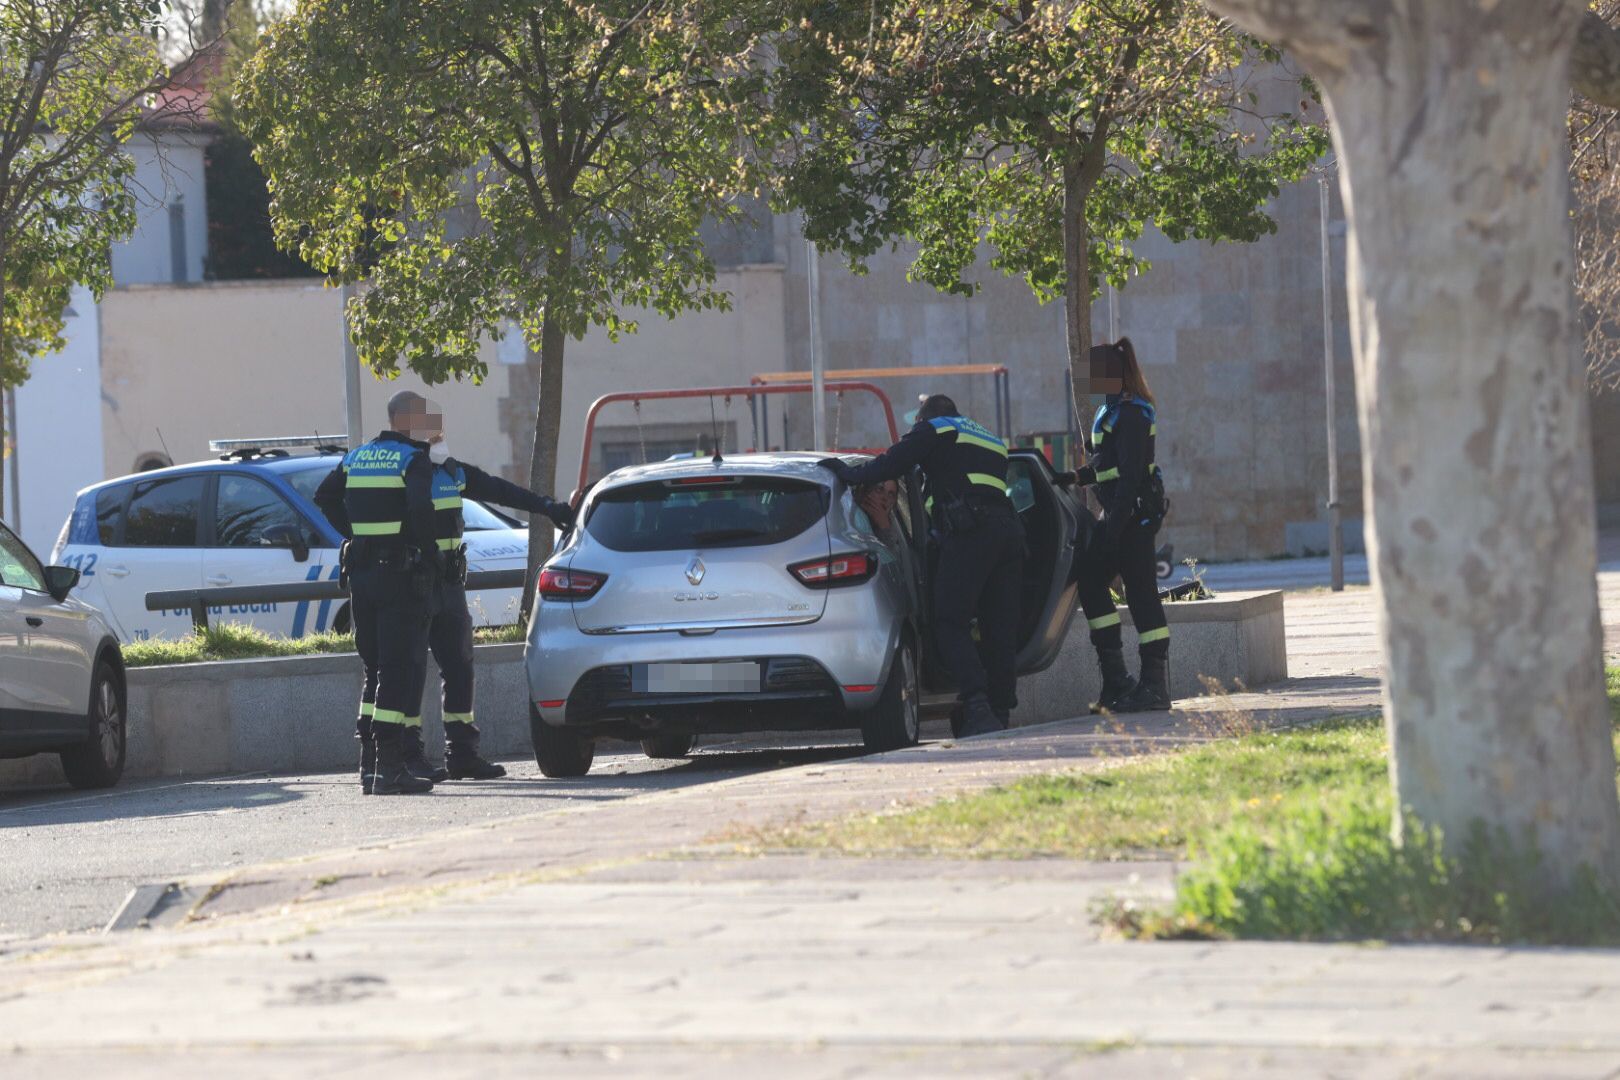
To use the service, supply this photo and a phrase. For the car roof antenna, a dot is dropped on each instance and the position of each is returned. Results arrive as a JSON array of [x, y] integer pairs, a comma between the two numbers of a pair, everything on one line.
[[714, 428], [165, 446]]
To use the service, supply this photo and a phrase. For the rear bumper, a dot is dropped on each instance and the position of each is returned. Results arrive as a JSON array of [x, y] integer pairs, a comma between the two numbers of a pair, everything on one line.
[[815, 674]]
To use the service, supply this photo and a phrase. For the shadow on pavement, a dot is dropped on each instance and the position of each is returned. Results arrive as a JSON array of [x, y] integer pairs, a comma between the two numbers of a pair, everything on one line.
[[65, 806]]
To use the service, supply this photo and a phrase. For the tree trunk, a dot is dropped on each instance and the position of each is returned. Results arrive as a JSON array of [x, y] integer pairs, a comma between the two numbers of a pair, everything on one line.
[[3, 425], [1077, 286], [1448, 119], [543, 458]]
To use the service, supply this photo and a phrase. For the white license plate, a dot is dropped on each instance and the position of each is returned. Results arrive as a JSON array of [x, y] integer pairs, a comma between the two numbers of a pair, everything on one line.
[[740, 677]]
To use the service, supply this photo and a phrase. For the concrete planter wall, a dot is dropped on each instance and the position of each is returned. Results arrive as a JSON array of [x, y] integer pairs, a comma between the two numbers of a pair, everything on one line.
[[293, 714], [297, 714], [1236, 639]]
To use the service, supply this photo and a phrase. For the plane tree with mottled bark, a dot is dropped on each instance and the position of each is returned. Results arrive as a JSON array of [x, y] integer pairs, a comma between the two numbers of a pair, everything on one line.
[[1449, 120], [503, 162]]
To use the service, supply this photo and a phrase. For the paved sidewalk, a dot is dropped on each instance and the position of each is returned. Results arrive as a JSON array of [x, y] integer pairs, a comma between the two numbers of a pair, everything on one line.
[[618, 938], [805, 967]]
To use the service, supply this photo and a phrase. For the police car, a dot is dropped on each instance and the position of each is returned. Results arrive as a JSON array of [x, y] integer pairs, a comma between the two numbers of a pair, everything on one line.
[[247, 518]]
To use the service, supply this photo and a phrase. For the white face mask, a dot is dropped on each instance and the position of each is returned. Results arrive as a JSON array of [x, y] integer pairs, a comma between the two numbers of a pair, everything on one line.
[[439, 451]]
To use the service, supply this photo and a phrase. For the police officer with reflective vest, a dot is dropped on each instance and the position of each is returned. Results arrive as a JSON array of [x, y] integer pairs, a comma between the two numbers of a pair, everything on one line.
[[981, 551], [450, 637], [1131, 492], [381, 499]]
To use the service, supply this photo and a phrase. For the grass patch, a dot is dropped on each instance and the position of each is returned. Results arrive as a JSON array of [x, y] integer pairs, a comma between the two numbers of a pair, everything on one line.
[[1288, 836], [1151, 807], [237, 641]]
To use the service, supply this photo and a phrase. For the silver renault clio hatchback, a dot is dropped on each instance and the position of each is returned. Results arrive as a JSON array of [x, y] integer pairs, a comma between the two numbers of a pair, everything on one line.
[[753, 594]]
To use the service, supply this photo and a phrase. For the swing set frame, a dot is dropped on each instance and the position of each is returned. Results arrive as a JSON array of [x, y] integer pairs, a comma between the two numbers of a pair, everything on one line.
[[755, 408]]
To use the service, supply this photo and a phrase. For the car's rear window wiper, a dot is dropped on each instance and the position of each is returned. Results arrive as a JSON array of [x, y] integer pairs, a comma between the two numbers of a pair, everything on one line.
[[715, 536]]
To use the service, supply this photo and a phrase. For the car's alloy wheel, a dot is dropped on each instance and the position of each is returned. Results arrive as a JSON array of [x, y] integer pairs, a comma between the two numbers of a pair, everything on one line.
[[100, 761]]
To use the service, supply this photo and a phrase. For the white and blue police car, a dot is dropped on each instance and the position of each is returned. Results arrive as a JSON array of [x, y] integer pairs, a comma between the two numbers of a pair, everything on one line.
[[248, 518]]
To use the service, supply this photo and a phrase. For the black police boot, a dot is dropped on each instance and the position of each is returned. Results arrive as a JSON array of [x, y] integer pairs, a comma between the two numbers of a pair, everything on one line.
[[1116, 680], [461, 753], [368, 755], [393, 778], [416, 757], [1152, 693], [978, 718]]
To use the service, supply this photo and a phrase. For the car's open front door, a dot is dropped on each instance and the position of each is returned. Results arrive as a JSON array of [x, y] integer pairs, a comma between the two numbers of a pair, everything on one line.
[[1051, 516]]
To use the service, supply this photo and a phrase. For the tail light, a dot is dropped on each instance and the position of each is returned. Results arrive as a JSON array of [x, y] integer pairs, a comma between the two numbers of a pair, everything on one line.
[[849, 569], [557, 583]]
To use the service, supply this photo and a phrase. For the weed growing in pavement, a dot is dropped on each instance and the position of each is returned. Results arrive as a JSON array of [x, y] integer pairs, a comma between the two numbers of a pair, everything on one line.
[[238, 641]]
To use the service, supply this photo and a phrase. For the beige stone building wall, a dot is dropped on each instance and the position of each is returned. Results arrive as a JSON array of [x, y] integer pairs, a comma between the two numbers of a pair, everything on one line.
[[707, 348], [245, 359], [1230, 337]]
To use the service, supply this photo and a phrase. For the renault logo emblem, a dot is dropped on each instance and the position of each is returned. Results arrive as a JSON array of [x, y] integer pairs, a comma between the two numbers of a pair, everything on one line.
[[695, 570]]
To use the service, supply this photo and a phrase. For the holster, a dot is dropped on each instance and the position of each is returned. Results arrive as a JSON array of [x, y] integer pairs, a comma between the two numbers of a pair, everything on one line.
[[455, 566], [1153, 505]]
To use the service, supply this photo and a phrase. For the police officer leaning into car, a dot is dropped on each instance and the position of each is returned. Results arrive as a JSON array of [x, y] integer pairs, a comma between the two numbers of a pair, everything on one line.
[[380, 498], [450, 636], [981, 551]]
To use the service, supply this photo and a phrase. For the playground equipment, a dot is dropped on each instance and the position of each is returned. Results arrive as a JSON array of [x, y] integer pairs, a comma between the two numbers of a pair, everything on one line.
[[754, 393], [1003, 413]]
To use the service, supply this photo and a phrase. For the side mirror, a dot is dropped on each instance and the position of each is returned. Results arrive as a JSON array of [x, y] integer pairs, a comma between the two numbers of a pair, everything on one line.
[[59, 581], [286, 536]]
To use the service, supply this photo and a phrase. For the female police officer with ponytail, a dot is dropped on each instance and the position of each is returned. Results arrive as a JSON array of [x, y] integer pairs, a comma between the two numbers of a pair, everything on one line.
[[1131, 492]]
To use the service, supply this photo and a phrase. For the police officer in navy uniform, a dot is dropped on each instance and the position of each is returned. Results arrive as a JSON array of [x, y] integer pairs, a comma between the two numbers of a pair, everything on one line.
[[1131, 491], [450, 636], [381, 499], [981, 551]]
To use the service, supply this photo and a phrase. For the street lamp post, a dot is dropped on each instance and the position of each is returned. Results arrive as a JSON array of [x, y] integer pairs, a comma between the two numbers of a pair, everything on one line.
[[1335, 510], [351, 376], [818, 358]]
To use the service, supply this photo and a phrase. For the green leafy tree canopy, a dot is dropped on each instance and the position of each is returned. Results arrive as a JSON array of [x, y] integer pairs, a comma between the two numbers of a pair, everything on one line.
[[1054, 130], [502, 162], [75, 77]]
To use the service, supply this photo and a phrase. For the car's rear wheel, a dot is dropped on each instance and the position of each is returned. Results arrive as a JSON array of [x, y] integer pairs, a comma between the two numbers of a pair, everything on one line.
[[560, 753], [99, 762], [893, 722], [667, 744]]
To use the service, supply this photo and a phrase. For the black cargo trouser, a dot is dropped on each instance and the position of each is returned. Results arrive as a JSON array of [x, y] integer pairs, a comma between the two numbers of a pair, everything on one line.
[[1133, 557], [980, 574], [450, 637], [391, 617]]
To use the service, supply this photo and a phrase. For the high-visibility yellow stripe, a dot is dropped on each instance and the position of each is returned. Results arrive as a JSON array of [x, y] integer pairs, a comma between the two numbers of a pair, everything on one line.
[[449, 502], [395, 481], [987, 480], [1102, 622], [1097, 437], [389, 716], [412, 721], [367, 708], [458, 717], [449, 543], [1158, 634], [995, 445], [1108, 474], [376, 528], [1153, 429]]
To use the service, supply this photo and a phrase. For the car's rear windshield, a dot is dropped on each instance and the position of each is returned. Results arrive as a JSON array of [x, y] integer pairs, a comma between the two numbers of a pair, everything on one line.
[[707, 512]]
